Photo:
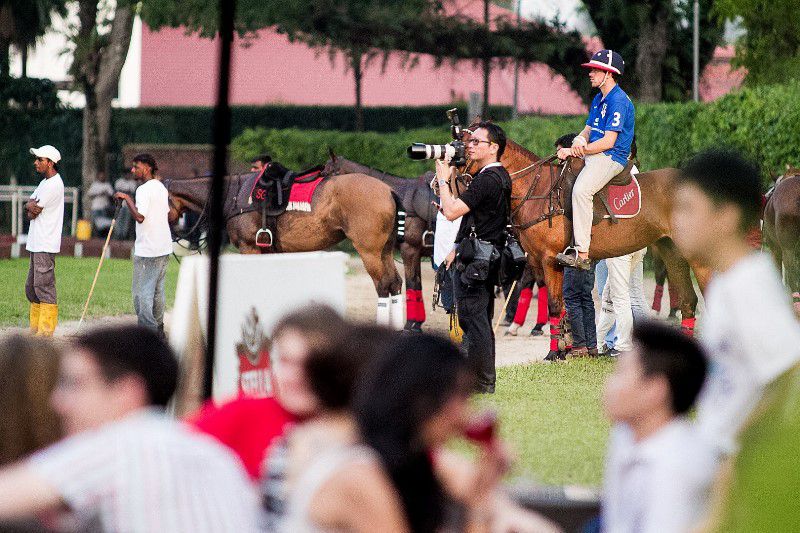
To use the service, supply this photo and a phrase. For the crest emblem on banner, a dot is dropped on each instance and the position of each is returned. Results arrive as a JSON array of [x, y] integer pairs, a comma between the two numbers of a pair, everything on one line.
[[255, 379]]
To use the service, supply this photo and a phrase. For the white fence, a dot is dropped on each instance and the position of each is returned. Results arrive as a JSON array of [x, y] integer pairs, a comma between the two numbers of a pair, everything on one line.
[[17, 195]]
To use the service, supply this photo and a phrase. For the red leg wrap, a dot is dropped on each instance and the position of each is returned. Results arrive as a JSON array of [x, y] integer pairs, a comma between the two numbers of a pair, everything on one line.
[[657, 295], [674, 297], [555, 333], [523, 305], [687, 325], [413, 304], [541, 317]]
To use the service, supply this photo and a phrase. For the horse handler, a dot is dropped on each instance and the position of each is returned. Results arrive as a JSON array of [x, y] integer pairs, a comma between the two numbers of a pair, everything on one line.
[[153, 242], [46, 212]]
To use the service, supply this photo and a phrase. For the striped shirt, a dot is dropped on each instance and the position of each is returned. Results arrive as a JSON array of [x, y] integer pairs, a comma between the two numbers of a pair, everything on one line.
[[149, 473]]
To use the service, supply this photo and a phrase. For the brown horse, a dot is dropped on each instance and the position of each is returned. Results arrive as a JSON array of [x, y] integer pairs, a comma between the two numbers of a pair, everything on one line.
[[782, 230], [354, 206], [416, 196], [537, 202]]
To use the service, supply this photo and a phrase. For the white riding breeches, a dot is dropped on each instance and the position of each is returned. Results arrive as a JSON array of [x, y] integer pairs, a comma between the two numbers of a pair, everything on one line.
[[598, 171]]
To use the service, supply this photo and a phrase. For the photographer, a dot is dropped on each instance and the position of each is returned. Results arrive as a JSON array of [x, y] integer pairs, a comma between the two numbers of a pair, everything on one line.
[[485, 208]]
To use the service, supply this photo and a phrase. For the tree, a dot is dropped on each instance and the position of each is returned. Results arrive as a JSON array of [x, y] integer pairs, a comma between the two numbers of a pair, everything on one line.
[[102, 40], [655, 37], [21, 23], [770, 48]]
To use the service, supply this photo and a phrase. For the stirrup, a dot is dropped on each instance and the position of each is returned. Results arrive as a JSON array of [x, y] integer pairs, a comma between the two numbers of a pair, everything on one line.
[[264, 238], [427, 239]]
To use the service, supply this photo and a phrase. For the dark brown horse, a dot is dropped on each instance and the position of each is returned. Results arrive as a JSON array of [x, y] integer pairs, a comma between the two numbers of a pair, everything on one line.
[[537, 202], [782, 230], [354, 206], [416, 196]]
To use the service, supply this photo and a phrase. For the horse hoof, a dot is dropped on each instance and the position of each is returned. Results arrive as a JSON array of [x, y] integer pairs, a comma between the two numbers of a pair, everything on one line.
[[505, 323], [552, 356], [537, 330], [413, 325], [512, 329]]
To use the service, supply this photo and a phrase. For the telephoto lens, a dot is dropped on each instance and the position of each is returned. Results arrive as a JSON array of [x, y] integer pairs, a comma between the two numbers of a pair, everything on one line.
[[430, 151]]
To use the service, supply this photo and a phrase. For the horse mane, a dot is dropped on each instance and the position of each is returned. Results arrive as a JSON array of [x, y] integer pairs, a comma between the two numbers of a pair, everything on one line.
[[521, 150]]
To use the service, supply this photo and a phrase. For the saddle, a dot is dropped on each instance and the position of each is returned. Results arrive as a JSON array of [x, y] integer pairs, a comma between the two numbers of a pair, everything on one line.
[[272, 195], [622, 191]]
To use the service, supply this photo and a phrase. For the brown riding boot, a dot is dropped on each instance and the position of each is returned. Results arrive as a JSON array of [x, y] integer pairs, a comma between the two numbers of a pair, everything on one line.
[[34, 313], [48, 318]]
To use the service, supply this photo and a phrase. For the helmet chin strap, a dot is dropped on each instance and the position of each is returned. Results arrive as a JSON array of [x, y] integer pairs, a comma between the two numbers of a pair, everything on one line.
[[605, 79]]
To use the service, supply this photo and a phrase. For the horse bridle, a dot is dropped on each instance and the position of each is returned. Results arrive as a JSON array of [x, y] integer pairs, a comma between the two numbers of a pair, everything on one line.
[[553, 194]]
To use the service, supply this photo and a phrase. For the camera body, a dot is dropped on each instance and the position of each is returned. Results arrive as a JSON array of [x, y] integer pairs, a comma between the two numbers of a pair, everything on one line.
[[455, 150]]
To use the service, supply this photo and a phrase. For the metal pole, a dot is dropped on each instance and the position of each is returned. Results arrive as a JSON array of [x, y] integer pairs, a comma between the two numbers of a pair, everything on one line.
[[696, 62], [515, 110], [222, 138]]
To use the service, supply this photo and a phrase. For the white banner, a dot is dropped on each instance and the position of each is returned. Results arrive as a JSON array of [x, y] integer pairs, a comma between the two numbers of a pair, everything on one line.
[[255, 291]]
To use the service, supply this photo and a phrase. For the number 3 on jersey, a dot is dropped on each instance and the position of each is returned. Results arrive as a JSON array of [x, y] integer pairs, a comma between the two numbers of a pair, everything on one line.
[[616, 119]]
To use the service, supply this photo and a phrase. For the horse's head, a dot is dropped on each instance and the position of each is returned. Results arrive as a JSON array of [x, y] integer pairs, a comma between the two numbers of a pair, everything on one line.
[[186, 195]]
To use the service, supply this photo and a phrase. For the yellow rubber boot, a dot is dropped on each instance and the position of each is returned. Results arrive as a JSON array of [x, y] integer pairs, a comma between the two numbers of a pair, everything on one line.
[[34, 317], [48, 318]]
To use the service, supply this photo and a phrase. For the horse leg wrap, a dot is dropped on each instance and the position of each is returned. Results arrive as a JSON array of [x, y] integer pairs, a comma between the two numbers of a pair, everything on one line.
[[382, 316], [415, 305], [687, 325], [523, 305], [541, 317], [555, 333], [396, 311], [674, 297], [657, 296]]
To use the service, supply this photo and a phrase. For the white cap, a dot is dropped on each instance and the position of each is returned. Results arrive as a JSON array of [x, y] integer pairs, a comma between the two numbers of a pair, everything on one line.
[[50, 152]]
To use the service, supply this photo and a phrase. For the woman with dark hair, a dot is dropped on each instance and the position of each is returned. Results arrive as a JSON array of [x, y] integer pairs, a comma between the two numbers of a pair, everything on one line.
[[415, 398], [333, 482]]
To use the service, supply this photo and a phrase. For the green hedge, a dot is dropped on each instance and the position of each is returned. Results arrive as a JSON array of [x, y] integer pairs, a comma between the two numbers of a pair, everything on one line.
[[62, 128], [762, 123]]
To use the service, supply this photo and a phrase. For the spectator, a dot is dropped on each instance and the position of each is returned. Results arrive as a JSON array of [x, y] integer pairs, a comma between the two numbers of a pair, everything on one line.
[[28, 375], [412, 400], [333, 481], [658, 473], [258, 164], [100, 193], [717, 201], [126, 465], [578, 285], [249, 426], [622, 289], [124, 229]]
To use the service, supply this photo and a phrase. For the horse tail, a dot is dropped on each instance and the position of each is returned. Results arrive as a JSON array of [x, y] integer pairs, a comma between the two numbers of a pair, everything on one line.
[[399, 219]]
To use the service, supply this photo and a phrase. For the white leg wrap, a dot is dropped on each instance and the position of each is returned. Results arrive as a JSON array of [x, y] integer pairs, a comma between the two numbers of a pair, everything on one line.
[[397, 308], [382, 317]]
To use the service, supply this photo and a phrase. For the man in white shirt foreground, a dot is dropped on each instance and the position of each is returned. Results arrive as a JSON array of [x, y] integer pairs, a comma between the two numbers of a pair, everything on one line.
[[126, 466], [658, 474], [153, 242], [748, 330], [45, 209]]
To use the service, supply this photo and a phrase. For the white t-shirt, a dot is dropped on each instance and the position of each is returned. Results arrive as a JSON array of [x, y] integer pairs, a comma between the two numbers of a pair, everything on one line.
[[153, 237], [100, 192], [148, 473], [444, 237], [752, 337], [660, 484], [45, 230]]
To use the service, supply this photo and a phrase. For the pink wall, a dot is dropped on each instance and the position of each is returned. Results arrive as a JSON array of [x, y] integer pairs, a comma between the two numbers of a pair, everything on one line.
[[181, 70]]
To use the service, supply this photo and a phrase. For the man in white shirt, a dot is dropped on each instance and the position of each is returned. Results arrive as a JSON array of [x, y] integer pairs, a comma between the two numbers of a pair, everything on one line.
[[46, 212], [749, 331], [153, 242], [658, 473], [127, 466]]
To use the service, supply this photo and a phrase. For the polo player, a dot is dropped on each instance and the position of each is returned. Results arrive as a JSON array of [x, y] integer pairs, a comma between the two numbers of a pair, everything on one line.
[[605, 143]]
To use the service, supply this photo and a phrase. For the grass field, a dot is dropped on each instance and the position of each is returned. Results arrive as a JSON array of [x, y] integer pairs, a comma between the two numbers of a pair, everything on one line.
[[112, 294], [550, 414]]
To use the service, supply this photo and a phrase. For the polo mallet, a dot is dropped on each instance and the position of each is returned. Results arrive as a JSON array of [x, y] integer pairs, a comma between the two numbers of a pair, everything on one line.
[[505, 304], [100, 264]]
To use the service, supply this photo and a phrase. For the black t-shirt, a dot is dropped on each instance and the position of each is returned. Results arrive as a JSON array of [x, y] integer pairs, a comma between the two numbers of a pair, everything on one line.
[[488, 198]]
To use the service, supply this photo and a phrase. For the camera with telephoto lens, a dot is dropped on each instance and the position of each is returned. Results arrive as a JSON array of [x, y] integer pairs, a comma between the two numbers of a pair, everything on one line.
[[455, 150]]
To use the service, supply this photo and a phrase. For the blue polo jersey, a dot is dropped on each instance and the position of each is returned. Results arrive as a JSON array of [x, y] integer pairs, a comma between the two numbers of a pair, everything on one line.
[[613, 113]]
